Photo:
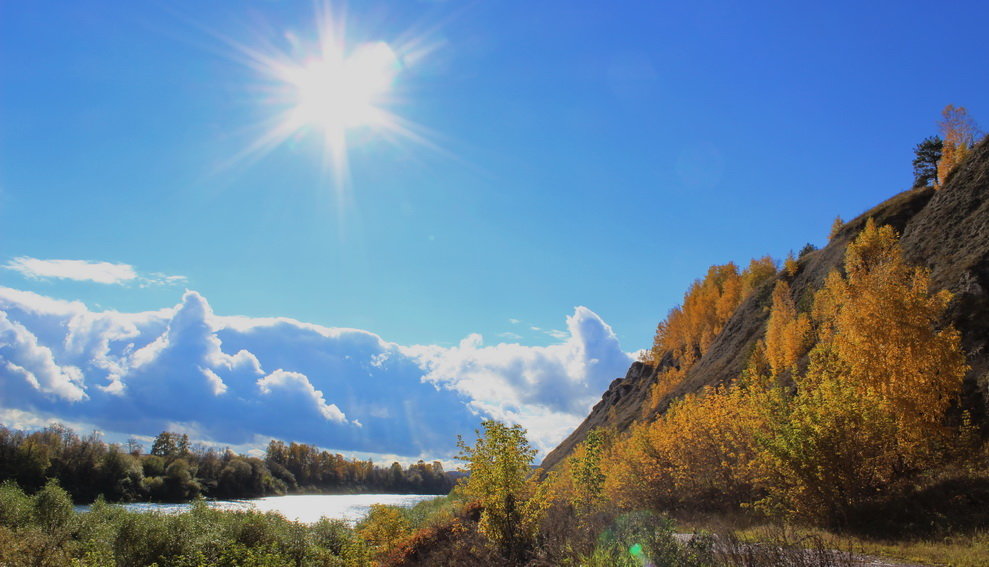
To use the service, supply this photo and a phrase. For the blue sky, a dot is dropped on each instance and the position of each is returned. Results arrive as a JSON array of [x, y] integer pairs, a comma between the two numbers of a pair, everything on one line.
[[598, 154]]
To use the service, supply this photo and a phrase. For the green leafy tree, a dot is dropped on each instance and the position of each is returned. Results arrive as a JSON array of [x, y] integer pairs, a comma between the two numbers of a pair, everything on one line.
[[170, 445], [927, 155], [501, 480], [588, 478], [52, 507], [53, 513]]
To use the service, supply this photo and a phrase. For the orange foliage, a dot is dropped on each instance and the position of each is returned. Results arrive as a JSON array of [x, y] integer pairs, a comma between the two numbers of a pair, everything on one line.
[[788, 334], [867, 410], [879, 331], [702, 450], [690, 328], [959, 132], [870, 407]]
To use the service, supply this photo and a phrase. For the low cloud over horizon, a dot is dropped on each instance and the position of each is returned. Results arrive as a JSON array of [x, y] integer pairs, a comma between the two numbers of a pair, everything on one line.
[[242, 380]]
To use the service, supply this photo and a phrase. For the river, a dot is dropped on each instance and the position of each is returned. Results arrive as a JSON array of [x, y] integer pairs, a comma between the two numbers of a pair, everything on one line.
[[300, 507]]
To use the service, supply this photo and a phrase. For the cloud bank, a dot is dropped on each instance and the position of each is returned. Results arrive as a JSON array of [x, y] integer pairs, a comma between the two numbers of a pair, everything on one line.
[[240, 380]]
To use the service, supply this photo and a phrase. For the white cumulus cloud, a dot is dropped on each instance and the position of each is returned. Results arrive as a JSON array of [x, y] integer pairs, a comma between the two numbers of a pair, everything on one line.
[[294, 381], [235, 379], [547, 389], [21, 356]]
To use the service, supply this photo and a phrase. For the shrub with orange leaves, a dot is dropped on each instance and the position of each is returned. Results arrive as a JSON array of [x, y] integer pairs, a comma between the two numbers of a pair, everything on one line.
[[871, 406]]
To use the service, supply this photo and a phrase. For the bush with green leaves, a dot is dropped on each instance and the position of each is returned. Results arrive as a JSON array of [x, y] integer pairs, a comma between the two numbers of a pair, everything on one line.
[[643, 538], [44, 530]]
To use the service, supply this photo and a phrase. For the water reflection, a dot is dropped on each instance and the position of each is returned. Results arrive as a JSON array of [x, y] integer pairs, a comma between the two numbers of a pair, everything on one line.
[[301, 508]]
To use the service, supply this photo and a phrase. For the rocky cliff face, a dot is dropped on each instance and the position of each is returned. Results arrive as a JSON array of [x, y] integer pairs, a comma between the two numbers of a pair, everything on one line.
[[946, 231]]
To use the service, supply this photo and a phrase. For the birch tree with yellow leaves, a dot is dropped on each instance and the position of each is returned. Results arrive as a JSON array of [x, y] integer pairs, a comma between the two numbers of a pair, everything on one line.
[[959, 133], [882, 374]]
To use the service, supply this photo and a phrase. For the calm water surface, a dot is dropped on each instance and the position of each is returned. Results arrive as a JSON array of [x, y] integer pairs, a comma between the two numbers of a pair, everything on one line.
[[300, 508]]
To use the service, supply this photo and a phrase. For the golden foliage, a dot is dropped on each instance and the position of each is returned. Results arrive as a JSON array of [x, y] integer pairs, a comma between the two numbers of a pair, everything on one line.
[[871, 405], [884, 333], [813, 440], [836, 227], [959, 132], [632, 477], [790, 266], [701, 450], [760, 270], [690, 328], [383, 527], [788, 334]]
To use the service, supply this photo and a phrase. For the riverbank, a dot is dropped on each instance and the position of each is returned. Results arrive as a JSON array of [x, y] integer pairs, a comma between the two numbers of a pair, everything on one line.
[[45, 529], [176, 470]]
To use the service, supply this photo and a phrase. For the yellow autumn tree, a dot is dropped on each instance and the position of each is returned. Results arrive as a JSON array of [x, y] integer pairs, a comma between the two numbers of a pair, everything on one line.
[[702, 452], [383, 527], [886, 335], [790, 265], [836, 227], [708, 441], [631, 471], [882, 374], [836, 404], [959, 132], [690, 328], [788, 333], [759, 271], [502, 482]]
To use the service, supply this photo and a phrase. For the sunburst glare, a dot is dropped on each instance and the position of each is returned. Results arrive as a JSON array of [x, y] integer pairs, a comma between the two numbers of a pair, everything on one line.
[[335, 90], [336, 93]]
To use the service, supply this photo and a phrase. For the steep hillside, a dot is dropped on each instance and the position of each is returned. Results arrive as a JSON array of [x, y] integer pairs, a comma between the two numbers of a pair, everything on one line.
[[946, 230]]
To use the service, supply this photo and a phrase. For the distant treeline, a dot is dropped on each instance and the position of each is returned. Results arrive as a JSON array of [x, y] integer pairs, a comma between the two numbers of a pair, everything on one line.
[[176, 470]]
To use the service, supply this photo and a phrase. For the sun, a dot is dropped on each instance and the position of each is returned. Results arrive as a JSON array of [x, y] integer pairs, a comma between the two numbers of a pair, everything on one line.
[[334, 92], [337, 93], [331, 90]]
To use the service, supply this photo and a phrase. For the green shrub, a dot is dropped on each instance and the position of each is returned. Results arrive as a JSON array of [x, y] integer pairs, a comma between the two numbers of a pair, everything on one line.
[[332, 535], [44, 530], [53, 507], [643, 538], [16, 508]]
